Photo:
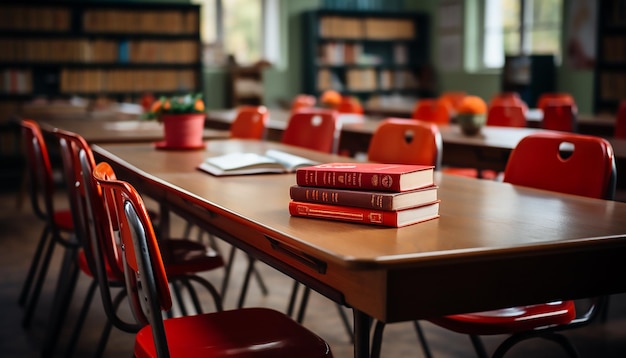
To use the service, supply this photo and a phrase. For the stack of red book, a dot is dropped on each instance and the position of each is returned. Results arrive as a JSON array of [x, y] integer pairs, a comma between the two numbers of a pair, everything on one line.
[[393, 195]]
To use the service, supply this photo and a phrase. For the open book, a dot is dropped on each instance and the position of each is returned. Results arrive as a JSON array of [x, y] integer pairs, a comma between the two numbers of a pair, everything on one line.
[[273, 161]]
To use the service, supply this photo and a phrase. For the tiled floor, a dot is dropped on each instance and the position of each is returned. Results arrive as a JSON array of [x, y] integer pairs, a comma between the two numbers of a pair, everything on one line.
[[19, 231]]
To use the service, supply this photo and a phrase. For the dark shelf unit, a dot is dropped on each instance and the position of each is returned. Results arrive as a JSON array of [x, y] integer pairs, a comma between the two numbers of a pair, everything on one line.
[[529, 75], [610, 65], [366, 53], [118, 50]]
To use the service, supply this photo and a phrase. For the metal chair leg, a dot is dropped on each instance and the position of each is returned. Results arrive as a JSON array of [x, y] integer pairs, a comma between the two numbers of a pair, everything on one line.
[[81, 318], [41, 275], [43, 240], [422, 338]]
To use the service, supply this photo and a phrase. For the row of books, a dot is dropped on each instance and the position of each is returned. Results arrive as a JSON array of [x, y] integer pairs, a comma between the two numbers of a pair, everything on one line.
[[614, 48], [367, 28], [125, 80], [148, 21], [347, 53], [612, 85], [392, 195], [367, 79], [100, 51], [16, 81], [34, 18]]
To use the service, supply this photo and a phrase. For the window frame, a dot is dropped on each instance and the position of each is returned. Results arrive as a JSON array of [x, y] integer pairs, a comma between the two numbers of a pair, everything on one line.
[[525, 30]]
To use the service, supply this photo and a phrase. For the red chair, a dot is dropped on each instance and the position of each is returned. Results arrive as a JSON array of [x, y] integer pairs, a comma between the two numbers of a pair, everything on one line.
[[251, 332], [349, 104], [302, 101], [432, 110], [559, 115], [539, 161], [453, 98], [548, 97], [316, 129], [250, 122], [406, 141], [508, 99], [506, 116], [99, 257], [620, 121], [59, 227]]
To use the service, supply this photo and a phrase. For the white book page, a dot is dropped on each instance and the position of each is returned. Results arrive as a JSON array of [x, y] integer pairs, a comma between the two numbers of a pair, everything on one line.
[[289, 161]]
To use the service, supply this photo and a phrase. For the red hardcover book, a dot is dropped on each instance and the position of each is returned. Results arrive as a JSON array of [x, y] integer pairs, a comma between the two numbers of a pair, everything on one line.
[[397, 218], [366, 176], [381, 200]]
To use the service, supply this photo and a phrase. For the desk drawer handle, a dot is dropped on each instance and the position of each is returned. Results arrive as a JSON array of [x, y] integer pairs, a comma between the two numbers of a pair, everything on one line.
[[307, 260]]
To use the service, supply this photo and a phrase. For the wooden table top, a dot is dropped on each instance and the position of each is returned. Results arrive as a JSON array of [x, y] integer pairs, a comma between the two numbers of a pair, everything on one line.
[[476, 215], [100, 130]]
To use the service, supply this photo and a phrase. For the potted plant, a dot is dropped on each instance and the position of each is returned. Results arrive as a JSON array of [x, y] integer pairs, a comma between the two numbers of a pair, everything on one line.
[[183, 120], [471, 114]]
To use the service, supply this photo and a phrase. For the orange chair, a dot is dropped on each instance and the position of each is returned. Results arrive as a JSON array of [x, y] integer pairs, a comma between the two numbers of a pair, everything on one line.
[[546, 98], [506, 116], [559, 115], [243, 332], [538, 162], [432, 110], [184, 258], [453, 98], [406, 141], [316, 129], [350, 104], [250, 122], [620, 121], [59, 227], [508, 99], [303, 101]]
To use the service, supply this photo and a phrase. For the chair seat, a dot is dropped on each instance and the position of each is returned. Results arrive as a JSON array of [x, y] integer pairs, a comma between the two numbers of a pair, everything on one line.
[[63, 220], [510, 320], [182, 257], [247, 332]]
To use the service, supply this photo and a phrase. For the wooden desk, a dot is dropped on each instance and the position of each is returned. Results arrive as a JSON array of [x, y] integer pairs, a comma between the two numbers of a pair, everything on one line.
[[495, 245], [118, 131]]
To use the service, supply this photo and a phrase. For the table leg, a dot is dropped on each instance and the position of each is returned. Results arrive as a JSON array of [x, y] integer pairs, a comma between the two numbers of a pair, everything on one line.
[[362, 324]]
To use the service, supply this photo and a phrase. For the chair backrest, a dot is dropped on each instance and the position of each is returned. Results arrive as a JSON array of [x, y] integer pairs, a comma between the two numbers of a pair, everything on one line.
[[506, 116], [548, 97], [406, 141], [145, 276], [303, 101], [620, 121], [559, 116], [250, 122], [508, 99], [146, 279], [432, 110], [316, 129], [350, 104], [564, 162], [39, 170], [453, 98]]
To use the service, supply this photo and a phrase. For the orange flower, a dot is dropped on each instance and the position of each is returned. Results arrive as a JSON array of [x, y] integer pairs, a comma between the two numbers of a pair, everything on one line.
[[199, 105], [330, 98], [472, 104]]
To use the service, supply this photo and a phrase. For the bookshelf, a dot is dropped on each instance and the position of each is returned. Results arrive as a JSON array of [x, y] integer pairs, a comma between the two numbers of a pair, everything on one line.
[[117, 50], [366, 53], [610, 67]]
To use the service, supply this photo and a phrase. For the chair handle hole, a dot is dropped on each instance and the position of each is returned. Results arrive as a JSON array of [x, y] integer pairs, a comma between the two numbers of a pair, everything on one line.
[[316, 120], [566, 150], [408, 136]]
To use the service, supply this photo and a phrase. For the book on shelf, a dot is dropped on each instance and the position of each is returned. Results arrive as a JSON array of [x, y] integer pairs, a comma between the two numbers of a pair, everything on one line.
[[380, 200], [367, 176], [398, 218], [272, 161]]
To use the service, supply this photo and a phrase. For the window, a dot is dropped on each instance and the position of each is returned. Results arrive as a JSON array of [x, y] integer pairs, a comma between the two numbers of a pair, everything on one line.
[[239, 28], [516, 27]]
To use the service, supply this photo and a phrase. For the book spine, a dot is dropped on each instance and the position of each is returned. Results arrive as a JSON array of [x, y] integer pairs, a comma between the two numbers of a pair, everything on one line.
[[343, 213], [361, 199], [348, 179]]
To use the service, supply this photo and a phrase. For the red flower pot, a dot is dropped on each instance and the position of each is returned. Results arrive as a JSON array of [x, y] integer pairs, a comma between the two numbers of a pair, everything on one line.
[[183, 130]]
